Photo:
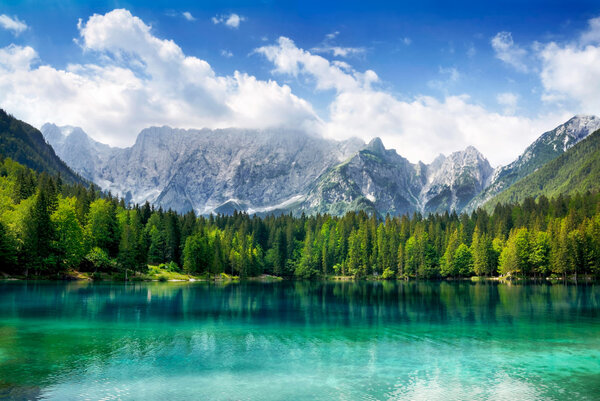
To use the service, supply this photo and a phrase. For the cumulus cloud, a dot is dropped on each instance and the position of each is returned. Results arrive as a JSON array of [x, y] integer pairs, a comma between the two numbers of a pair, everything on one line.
[[188, 16], [507, 51], [419, 128], [289, 59], [571, 72], [12, 24], [142, 80], [423, 127], [232, 20]]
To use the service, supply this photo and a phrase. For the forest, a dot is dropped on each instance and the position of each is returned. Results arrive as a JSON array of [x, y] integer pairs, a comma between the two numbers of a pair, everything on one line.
[[48, 227]]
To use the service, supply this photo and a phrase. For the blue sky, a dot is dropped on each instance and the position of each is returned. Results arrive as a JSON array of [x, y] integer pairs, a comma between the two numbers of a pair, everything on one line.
[[427, 77]]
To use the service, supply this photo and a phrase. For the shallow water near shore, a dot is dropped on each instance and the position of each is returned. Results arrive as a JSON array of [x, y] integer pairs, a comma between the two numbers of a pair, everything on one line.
[[301, 341]]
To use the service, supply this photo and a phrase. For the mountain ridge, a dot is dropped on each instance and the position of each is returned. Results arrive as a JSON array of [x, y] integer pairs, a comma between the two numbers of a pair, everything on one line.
[[545, 148], [576, 170], [262, 171], [27, 145]]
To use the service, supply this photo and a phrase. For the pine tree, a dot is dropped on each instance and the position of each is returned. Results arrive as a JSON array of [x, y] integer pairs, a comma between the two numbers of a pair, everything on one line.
[[463, 260]]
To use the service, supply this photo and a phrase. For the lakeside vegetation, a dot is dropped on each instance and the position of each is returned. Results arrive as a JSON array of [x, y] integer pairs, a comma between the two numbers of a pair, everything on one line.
[[49, 228]]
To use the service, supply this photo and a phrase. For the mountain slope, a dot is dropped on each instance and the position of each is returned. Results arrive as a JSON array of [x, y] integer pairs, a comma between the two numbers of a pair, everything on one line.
[[82, 153], [207, 170], [577, 170], [546, 148], [374, 179], [270, 171], [381, 181], [26, 145], [453, 181]]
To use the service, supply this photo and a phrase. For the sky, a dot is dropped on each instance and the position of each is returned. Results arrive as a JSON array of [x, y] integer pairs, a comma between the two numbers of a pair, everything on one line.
[[426, 77]]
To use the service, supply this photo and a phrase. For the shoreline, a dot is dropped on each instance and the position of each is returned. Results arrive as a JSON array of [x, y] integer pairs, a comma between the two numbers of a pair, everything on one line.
[[265, 278]]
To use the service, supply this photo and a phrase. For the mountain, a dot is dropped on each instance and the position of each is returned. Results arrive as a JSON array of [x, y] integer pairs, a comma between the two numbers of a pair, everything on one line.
[[453, 181], [206, 170], [576, 170], [547, 147], [26, 145], [82, 153], [381, 181], [270, 171], [374, 179]]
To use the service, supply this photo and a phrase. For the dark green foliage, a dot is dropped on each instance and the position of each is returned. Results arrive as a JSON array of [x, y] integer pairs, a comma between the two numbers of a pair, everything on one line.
[[60, 226], [8, 257], [575, 171], [26, 145]]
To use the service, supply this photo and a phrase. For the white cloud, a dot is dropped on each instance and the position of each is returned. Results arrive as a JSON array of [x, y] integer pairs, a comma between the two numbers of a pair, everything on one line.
[[407, 41], [12, 24], [289, 59], [327, 47], [422, 128], [509, 101], [338, 51], [143, 80], [571, 71], [232, 20], [188, 16], [592, 35], [419, 128], [507, 51], [14, 58], [226, 53]]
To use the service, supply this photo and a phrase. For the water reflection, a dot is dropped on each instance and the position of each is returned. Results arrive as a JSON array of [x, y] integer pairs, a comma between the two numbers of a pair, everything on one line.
[[297, 303], [345, 340]]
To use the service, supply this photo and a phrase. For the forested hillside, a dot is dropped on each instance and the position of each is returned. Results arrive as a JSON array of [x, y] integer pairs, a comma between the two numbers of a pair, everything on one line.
[[48, 227], [25, 144], [575, 171]]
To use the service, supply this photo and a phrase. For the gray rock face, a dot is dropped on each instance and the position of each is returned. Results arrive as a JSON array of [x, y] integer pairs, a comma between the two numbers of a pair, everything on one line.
[[547, 147], [381, 181], [78, 150], [452, 182], [263, 171], [202, 170]]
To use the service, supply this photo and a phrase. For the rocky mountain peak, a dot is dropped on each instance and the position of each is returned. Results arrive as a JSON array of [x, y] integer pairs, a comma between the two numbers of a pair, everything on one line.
[[376, 146], [579, 126], [547, 147]]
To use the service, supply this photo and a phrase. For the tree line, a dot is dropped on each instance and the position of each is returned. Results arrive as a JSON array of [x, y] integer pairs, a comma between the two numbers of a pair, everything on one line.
[[48, 227]]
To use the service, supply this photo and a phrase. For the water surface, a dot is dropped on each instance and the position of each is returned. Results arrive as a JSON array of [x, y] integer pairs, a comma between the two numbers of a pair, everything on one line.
[[300, 341]]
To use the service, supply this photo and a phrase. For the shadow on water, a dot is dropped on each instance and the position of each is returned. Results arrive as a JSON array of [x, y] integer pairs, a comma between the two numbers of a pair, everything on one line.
[[298, 303]]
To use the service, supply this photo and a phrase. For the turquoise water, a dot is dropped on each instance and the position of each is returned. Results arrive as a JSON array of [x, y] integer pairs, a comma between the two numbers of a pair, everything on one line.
[[299, 341]]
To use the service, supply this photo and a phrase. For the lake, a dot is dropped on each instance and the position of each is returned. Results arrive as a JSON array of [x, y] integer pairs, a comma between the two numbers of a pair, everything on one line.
[[299, 341]]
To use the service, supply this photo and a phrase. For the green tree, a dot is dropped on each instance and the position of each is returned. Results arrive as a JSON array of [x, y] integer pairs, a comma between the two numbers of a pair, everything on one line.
[[196, 254], [540, 254], [102, 228], [8, 250], [68, 238], [509, 259], [447, 266], [307, 267], [463, 260]]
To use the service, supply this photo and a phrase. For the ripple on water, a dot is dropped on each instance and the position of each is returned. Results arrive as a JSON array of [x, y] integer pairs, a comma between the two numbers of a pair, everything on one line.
[[348, 341]]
